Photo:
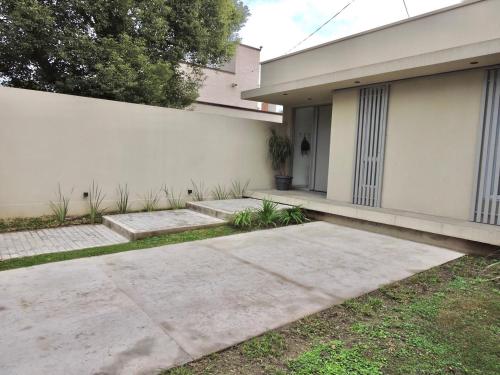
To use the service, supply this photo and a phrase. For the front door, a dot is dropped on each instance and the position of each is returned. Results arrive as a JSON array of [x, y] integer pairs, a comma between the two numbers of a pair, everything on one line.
[[311, 147]]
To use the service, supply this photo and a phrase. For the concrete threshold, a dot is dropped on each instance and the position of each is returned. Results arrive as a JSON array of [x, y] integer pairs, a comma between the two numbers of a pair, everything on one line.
[[461, 229]]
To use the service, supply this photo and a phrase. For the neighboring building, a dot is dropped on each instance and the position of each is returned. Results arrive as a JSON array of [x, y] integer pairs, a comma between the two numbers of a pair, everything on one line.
[[222, 87], [403, 121]]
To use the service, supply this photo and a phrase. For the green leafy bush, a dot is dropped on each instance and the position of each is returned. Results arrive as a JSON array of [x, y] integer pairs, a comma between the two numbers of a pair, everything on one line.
[[244, 219], [268, 215], [294, 215]]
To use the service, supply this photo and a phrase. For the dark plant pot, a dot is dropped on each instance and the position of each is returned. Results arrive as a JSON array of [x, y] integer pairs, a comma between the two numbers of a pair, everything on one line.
[[283, 182]]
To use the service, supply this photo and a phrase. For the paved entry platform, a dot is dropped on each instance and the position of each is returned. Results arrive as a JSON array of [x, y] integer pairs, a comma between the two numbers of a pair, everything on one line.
[[226, 208], [146, 224], [36, 242], [140, 311]]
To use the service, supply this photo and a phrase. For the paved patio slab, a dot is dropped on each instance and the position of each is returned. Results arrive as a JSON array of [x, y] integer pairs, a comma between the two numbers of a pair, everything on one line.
[[139, 225], [225, 208], [139, 311], [27, 243]]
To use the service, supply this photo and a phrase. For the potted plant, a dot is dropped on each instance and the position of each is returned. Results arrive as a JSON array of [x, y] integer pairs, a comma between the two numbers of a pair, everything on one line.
[[280, 149]]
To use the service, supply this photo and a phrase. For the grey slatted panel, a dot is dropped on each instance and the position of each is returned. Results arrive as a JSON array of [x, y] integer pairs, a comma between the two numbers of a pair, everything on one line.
[[486, 208], [372, 116], [384, 94], [361, 122]]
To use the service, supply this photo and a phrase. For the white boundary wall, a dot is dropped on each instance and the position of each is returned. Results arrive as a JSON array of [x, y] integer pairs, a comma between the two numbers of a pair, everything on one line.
[[47, 138]]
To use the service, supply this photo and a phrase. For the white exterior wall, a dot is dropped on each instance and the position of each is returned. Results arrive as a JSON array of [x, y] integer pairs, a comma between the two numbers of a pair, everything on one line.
[[46, 139]]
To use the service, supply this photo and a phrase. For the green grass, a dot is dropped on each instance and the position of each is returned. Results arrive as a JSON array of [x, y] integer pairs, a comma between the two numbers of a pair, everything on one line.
[[442, 321], [269, 345], [167, 239]]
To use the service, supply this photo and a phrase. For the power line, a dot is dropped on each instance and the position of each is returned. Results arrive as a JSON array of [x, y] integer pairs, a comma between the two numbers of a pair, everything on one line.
[[406, 8], [323, 25]]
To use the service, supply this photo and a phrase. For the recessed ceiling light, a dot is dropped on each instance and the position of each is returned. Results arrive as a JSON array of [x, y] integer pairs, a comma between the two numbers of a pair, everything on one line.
[[474, 62]]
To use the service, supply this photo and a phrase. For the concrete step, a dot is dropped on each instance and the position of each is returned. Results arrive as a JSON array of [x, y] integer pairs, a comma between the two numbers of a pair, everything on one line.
[[139, 225], [224, 209]]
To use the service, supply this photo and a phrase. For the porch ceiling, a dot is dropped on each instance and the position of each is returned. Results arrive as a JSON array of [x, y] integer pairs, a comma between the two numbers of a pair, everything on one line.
[[318, 89]]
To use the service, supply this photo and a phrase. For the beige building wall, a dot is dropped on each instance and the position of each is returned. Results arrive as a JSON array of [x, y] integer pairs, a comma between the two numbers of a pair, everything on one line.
[[431, 144], [224, 86], [342, 145], [466, 24], [46, 139]]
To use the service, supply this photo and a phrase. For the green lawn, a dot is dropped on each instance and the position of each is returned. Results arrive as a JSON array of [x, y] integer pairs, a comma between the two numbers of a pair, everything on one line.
[[442, 321], [167, 239]]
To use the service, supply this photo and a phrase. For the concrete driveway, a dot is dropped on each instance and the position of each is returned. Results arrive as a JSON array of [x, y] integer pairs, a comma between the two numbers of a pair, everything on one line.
[[141, 311]]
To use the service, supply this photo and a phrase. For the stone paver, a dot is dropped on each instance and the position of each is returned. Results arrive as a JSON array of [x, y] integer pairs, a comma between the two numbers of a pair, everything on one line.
[[139, 311], [27, 243], [145, 224], [225, 208]]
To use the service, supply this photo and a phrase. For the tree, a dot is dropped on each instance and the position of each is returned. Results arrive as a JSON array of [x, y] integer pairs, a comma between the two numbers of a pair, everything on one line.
[[128, 50]]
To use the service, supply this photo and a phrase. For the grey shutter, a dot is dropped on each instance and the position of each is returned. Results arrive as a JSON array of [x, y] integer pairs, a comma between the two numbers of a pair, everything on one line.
[[370, 145], [487, 195]]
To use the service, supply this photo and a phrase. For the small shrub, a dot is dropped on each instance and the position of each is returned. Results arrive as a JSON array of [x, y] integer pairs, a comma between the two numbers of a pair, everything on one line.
[[219, 193], [238, 190], [96, 198], [151, 200], [244, 219], [294, 215], [199, 191], [175, 201], [60, 206], [122, 202], [268, 215]]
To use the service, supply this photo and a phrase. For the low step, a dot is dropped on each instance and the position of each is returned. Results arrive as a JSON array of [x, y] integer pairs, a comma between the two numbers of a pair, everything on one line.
[[225, 208], [139, 225]]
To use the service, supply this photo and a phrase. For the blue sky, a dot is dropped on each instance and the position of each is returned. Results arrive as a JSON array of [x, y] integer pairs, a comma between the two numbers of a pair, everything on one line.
[[278, 25]]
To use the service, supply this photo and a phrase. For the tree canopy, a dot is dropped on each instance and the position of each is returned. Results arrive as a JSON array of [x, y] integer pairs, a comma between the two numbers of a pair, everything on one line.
[[127, 50]]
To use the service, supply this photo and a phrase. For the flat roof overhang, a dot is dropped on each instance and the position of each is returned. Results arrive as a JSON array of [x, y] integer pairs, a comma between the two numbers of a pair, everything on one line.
[[319, 89]]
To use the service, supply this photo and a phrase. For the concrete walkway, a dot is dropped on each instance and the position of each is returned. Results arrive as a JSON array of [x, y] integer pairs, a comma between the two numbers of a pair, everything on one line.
[[140, 311]]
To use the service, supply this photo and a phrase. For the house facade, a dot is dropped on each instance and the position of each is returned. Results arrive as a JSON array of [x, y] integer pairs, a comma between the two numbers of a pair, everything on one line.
[[221, 90], [403, 119]]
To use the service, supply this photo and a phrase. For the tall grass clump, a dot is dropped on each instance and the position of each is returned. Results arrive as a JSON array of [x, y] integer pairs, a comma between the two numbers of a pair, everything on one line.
[[238, 189], [175, 201], [199, 190], [293, 215], [150, 200], [96, 197], [60, 206], [122, 201], [244, 219], [268, 215], [219, 192]]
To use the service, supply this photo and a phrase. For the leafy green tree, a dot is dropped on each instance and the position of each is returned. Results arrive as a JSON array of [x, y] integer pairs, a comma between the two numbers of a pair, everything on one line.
[[128, 50]]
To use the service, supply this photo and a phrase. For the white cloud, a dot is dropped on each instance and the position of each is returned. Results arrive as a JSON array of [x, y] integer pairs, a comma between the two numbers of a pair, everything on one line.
[[278, 25]]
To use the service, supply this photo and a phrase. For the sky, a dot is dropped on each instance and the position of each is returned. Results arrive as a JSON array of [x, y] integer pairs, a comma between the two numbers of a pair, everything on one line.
[[278, 25]]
